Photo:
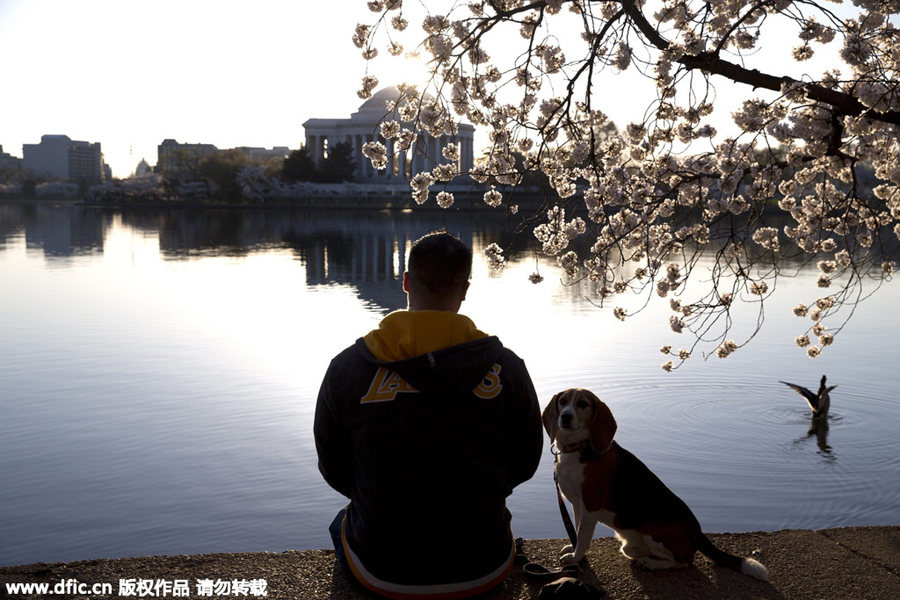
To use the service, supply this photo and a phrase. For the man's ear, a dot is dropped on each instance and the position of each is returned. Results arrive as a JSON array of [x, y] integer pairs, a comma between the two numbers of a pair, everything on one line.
[[406, 281], [465, 289]]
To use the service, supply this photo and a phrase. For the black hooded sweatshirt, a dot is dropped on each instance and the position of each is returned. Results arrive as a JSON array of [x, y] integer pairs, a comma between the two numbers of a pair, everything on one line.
[[427, 425]]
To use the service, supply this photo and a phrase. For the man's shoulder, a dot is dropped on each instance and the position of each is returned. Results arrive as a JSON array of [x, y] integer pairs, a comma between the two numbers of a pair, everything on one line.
[[509, 356], [348, 374], [354, 353]]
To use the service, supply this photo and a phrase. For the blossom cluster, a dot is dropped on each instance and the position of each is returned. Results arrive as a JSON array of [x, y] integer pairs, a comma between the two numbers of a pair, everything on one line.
[[812, 173]]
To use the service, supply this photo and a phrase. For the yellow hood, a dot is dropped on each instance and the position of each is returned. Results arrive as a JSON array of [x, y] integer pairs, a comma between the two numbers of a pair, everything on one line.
[[405, 334]]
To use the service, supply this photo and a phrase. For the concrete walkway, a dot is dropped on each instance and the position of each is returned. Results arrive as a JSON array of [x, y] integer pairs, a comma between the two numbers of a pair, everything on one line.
[[853, 563]]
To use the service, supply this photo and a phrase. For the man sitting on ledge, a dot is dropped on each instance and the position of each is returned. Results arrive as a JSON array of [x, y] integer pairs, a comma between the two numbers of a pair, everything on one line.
[[427, 424]]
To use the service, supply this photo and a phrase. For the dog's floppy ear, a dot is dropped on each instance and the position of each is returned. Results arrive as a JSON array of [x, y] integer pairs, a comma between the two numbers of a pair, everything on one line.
[[550, 417], [602, 426]]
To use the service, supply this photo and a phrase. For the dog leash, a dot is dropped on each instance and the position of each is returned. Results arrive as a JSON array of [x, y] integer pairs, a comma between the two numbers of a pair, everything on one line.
[[537, 571], [564, 512], [564, 583]]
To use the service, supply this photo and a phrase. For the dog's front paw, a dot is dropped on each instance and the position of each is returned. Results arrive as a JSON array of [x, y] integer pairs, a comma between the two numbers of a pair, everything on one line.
[[568, 558]]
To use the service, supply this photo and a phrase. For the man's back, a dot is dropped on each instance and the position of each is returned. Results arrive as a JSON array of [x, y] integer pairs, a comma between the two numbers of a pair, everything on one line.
[[428, 447]]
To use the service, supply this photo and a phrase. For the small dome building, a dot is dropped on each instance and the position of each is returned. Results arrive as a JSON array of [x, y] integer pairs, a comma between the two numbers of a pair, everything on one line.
[[143, 168], [363, 127]]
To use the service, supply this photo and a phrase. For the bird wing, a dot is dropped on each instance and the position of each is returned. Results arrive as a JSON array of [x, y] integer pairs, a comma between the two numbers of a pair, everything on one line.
[[811, 398]]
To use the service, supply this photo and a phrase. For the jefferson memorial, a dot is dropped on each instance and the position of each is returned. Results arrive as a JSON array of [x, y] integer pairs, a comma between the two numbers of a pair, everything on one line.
[[363, 126]]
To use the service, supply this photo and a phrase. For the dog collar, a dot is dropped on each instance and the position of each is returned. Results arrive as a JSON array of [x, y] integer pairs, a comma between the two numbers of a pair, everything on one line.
[[582, 446], [575, 447]]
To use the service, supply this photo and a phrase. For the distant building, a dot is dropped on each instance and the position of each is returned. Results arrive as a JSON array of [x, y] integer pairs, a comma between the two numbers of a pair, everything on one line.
[[264, 153], [173, 157], [60, 157], [363, 126], [49, 158], [10, 166], [85, 162], [143, 168]]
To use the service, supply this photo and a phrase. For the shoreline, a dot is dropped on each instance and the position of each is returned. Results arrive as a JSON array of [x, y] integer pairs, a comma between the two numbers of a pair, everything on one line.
[[399, 203], [855, 563]]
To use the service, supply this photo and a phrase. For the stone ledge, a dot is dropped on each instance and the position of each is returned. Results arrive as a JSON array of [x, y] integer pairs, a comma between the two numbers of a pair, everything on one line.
[[857, 563]]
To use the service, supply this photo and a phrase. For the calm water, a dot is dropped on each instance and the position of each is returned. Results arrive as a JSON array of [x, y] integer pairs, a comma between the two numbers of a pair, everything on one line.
[[158, 374]]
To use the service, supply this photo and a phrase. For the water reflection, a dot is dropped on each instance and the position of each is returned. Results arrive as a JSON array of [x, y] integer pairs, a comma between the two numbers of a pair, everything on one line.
[[57, 233], [364, 249], [819, 429]]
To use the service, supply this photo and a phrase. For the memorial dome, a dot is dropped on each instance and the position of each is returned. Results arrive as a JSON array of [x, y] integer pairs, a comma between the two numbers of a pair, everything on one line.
[[375, 107], [380, 98]]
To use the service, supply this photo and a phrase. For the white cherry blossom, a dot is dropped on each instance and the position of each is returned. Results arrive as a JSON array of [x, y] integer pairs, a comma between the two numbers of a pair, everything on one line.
[[808, 174]]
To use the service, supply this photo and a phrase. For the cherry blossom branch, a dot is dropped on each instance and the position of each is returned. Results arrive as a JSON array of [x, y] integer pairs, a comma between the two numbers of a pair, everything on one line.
[[711, 62]]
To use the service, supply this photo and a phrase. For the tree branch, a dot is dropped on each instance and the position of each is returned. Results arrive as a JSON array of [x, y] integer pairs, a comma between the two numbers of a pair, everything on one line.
[[711, 62]]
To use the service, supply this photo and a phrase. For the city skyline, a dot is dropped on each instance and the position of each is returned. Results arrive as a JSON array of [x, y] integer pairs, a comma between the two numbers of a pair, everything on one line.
[[129, 75]]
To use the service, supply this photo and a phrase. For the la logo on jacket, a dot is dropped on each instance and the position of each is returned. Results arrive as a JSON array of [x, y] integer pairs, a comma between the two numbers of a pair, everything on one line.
[[387, 384]]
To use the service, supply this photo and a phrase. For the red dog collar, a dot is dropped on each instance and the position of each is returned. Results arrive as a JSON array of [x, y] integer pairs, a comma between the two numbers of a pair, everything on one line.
[[575, 447]]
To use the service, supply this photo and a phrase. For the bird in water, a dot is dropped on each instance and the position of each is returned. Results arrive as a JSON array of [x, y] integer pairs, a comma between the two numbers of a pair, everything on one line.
[[820, 402]]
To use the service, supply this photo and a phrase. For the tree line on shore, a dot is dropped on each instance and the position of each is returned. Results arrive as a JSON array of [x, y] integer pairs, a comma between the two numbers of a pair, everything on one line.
[[229, 176]]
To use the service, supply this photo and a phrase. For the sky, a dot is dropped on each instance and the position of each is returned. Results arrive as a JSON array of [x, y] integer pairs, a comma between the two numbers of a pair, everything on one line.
[[129, 73]]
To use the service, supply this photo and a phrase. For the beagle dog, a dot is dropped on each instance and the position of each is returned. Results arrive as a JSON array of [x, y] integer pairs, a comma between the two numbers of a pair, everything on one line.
[[606, 483]]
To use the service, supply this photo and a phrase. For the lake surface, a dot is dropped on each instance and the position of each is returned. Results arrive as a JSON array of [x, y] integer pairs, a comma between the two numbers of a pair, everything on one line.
[[159, 369]]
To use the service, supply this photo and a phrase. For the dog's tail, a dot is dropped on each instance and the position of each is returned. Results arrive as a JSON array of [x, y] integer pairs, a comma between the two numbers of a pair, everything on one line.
[[747, 566]]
